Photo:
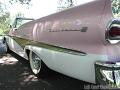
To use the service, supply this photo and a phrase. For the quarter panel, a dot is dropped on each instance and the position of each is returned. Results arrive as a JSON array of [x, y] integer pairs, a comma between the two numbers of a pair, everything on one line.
[[64, 28], [79, 67]]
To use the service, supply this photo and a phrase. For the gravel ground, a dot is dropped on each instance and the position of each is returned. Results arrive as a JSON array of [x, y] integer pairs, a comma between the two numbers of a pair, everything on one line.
[[15, 74]]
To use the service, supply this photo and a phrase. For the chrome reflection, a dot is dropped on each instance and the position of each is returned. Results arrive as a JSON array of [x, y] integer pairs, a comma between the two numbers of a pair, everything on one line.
[[117, 76], [112, 23], [107, 74]]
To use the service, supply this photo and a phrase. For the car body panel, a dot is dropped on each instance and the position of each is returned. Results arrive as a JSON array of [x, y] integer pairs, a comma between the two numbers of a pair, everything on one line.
[[70, 41]]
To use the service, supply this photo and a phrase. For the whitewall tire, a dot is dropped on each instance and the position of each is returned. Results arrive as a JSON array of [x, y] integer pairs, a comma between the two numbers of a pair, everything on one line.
[[35, 63]]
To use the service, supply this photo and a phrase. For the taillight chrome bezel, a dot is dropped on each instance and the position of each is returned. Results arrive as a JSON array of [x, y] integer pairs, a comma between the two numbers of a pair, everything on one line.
[[114, 23]]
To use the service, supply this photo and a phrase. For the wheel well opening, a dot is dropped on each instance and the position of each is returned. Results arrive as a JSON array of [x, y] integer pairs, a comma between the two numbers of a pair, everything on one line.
[[27, 52]]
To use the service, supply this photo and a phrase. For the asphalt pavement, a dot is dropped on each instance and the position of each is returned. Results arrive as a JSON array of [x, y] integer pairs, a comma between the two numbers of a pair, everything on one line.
[[15, 74]]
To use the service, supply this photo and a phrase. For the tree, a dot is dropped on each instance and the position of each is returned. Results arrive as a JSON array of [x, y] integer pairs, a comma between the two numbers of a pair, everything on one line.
[[20, 1], [116, 7], [64, 4], [4, 22], [5, 15]]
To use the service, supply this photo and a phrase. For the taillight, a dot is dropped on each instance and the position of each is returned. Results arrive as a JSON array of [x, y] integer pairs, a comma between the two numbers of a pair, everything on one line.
[[114, 31]]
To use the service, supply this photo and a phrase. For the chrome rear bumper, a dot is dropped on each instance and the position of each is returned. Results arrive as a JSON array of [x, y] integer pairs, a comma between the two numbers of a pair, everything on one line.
[[107, 74]]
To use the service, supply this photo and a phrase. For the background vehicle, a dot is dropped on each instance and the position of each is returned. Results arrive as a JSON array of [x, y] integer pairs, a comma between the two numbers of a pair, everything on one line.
[[3, 47]]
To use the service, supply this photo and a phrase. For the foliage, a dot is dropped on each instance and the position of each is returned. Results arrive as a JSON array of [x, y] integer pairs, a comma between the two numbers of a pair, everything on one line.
[[64, 4], [4, 22], [116, 7], [20, 1], [5, 15]]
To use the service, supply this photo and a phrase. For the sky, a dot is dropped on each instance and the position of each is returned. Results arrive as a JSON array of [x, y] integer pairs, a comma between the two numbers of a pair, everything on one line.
[[38, 8]]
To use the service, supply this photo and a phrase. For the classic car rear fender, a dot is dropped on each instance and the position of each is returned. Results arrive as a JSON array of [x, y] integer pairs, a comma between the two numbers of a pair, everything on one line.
[[29, 48]]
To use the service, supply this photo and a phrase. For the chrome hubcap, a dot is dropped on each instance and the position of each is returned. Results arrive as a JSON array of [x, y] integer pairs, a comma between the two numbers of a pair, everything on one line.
[[35, 63]]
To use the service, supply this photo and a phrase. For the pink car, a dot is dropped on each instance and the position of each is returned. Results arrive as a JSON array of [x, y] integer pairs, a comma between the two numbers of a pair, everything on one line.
[[80, 42]]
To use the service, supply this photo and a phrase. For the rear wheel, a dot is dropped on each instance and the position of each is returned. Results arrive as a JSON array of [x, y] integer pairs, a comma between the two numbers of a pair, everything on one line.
[[36, 64]]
